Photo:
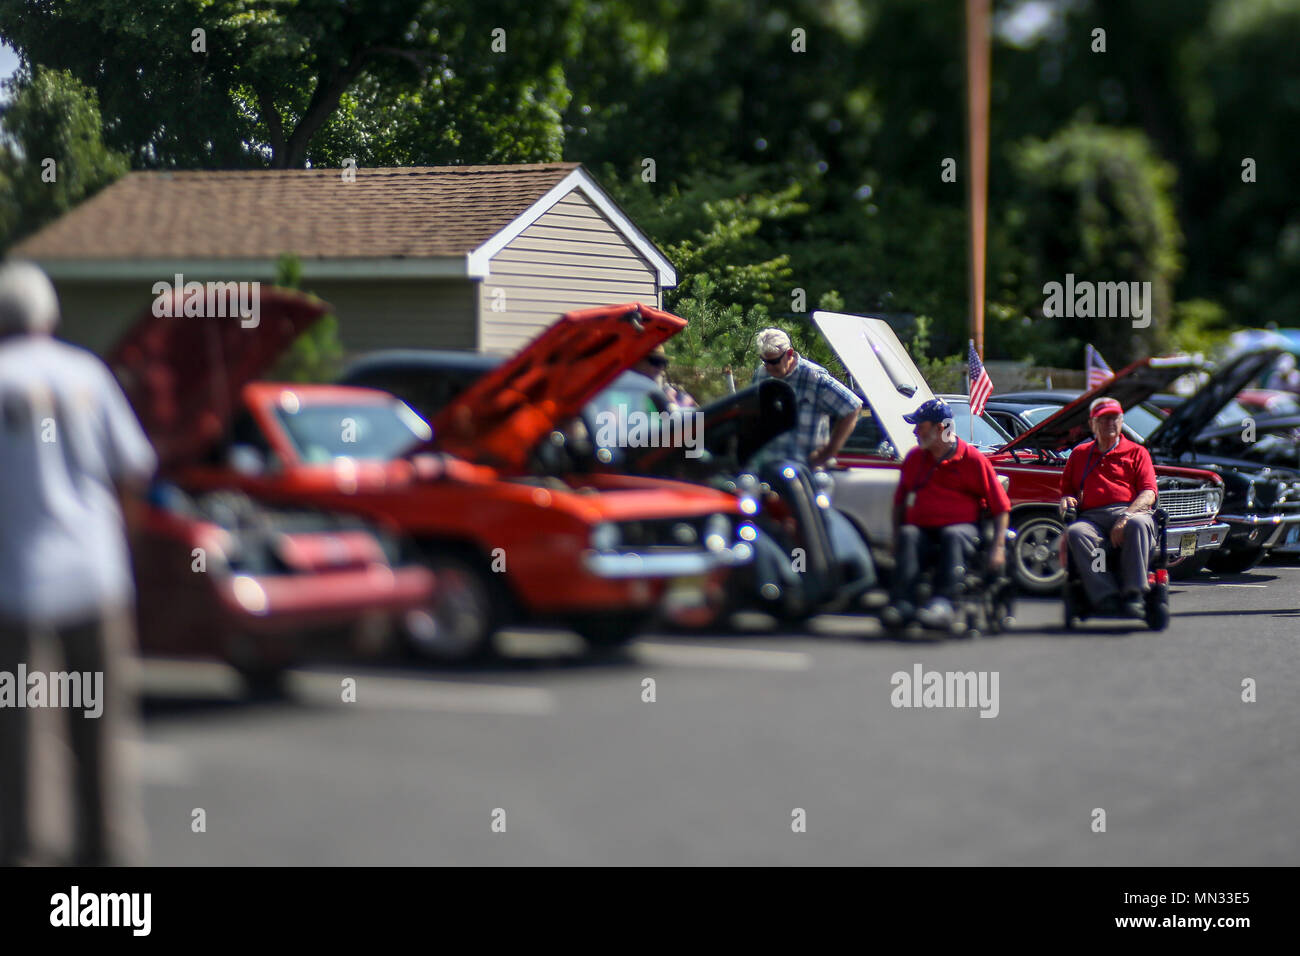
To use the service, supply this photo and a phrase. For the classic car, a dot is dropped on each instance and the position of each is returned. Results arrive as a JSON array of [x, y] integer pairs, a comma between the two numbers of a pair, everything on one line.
[[865, 480], [221, 572], [497, 502], [1261, 505], [798, 530]]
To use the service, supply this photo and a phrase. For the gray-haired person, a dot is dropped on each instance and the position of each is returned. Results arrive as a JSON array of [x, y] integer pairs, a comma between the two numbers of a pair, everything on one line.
[[820, 398], [72, 451]]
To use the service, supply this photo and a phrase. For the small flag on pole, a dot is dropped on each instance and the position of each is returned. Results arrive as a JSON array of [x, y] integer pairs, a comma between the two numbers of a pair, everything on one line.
[[981, 386], [1095, 367]]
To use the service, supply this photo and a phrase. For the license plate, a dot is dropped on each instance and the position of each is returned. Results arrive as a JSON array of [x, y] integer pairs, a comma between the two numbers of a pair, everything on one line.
[[1187, 547]]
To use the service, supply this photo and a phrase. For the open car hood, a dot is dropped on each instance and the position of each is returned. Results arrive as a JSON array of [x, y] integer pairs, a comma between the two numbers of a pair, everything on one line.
[[1130, 386], [183, 375], [1178, 432], [500, 418], [888, 377]]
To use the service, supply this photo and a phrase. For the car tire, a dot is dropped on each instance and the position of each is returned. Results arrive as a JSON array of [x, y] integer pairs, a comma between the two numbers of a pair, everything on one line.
[[608, 632], [1235, 562], [1035, 557], [466, 612], [1180, 569]]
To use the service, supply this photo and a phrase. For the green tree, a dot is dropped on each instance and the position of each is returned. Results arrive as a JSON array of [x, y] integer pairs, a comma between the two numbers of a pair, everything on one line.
[[1097, 202], [299, 82], [51, 153]]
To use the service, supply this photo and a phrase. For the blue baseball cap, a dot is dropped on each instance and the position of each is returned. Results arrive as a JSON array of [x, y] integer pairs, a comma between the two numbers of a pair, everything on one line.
[[935, 410]]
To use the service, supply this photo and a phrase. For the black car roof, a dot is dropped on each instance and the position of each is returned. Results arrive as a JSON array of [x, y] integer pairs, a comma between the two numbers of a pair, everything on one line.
[[431, 359]]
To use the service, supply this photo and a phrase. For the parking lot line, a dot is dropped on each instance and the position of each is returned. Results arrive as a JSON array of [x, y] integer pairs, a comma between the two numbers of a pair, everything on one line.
[[1243, 585], [692, 655], [414, 693]]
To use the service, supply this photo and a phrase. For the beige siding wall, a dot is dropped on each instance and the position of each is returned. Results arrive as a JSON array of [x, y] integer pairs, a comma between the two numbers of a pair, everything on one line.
[[403, 314], [372, 315], [572, 257]]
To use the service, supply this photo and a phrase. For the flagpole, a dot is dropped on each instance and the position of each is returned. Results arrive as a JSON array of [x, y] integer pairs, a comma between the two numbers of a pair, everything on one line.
[[977, 93]]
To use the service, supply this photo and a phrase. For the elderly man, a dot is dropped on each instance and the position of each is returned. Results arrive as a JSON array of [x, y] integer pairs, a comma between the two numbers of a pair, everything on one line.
[[945, 487], [820, 398], [1112, 484], [70, 446]]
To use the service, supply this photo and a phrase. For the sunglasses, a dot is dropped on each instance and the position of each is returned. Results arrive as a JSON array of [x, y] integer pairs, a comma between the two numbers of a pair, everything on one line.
[[775, 361], [658, 362]]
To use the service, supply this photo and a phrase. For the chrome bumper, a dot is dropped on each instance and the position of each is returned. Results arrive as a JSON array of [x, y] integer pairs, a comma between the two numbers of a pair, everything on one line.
[[632, 564], [1208, 537], [1273, 526]]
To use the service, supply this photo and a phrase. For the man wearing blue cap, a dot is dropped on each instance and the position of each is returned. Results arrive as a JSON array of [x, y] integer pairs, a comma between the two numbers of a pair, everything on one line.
[[944, 487]]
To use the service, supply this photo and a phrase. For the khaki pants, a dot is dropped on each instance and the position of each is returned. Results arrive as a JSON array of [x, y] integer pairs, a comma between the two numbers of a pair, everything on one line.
[[107, 817]]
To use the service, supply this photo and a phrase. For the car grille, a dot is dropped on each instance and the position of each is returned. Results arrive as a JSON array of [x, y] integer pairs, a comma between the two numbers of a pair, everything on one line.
[[1183, 503]]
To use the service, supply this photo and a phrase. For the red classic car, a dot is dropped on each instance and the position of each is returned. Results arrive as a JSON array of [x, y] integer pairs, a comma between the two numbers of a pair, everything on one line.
[[510, 533], [219, 572]]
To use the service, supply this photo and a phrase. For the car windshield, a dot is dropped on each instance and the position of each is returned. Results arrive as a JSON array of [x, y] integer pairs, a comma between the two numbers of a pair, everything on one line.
[[1039, 414], [321, 432], [986, 434], [1142, 420]]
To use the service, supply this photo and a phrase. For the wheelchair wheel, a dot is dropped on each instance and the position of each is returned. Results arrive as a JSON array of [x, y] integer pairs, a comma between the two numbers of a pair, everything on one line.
[[1157, 609]]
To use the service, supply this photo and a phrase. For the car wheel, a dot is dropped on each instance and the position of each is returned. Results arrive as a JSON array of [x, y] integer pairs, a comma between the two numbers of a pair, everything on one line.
[[1235, 562], [1180, 569], [1035, 556], [465, 613], [606, 632]]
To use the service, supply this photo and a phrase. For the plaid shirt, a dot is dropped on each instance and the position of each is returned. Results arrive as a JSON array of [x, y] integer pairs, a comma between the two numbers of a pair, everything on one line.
[[819, 396]]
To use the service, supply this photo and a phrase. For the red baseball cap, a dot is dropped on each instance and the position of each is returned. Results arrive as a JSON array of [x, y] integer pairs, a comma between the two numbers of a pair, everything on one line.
[[1107, 406]]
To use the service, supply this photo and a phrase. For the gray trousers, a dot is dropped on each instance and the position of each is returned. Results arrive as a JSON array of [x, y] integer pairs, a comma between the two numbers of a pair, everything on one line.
[[1092, 533], [955, 547], [108, 824]]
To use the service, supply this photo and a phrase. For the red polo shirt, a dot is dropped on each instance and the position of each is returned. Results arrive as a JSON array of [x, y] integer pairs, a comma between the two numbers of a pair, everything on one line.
[[1113, 478], [952, 491]]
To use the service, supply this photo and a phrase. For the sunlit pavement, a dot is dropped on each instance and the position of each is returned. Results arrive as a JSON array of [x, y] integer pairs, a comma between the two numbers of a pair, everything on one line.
[[746, 728]]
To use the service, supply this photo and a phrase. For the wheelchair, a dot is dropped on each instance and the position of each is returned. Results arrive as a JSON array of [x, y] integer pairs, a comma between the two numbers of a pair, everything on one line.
[[985, 603], [1079, 608]]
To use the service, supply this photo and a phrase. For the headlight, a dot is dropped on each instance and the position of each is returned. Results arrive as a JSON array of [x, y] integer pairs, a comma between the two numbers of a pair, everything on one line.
[[605, 537], [1215, 499], [716, 532]]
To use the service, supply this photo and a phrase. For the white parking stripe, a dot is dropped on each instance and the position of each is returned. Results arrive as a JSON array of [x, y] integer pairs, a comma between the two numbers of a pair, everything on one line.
[[413, 693], [1243, 585], [692, 655]]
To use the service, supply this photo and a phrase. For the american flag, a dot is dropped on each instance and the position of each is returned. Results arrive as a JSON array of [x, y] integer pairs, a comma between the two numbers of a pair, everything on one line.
[[981, 386], [1096, 368]]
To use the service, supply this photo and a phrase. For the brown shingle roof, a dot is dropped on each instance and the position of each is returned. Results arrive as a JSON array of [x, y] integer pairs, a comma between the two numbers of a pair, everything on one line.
[[413, 212]]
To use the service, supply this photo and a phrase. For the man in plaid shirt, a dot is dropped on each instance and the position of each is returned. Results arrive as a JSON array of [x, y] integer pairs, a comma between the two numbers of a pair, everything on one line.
[[819, 396]]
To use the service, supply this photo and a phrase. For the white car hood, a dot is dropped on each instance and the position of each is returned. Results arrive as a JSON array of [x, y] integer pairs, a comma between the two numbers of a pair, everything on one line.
[[882, 368]]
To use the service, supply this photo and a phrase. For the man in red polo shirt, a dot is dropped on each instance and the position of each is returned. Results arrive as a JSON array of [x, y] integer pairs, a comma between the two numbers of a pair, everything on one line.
[[944, 487], [1112, 483]]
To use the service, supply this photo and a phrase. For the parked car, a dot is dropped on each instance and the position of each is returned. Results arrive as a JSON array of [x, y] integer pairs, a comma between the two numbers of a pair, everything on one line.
[[220, 571], [807, 557], [868, 476], [504, 511], [1261, 504]]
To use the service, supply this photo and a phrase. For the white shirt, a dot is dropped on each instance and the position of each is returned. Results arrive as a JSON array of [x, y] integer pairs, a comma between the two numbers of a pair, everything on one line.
[[67, 436]]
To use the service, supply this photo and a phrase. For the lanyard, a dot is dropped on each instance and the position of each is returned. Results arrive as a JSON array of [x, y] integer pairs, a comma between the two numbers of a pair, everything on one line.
[[1088, 466], [933, 468]]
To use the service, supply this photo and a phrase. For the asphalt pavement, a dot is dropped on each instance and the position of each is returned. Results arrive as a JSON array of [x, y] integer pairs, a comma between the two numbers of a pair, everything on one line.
[[551, 757]]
